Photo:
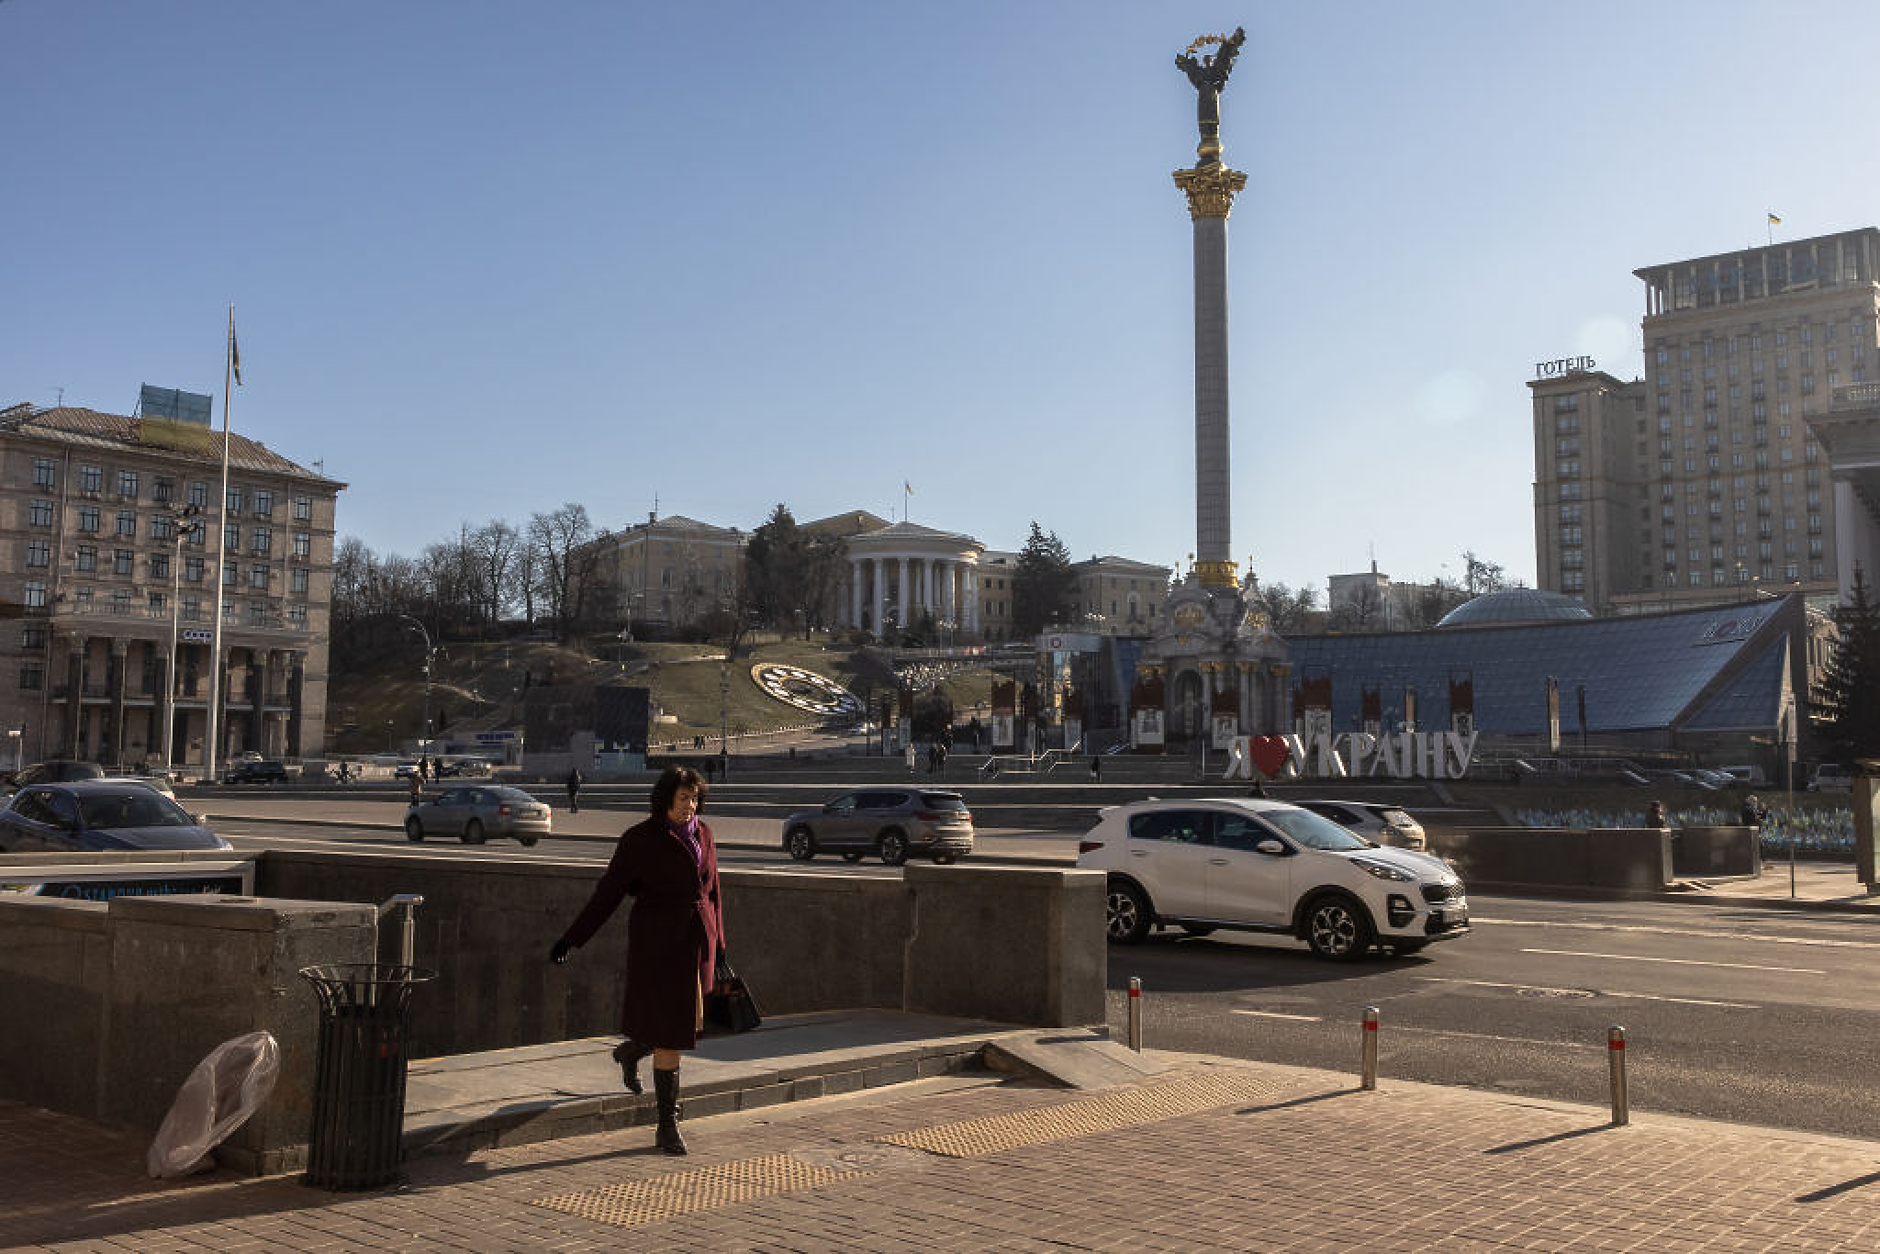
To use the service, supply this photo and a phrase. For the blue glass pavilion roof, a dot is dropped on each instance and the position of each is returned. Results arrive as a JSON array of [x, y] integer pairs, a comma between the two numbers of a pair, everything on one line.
[[1711, 669]]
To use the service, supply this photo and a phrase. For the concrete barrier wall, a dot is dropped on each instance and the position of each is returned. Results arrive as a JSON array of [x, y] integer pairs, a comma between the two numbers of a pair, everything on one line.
[[1716, 851], [110, 1006], [1637, 858], [1000, 943]]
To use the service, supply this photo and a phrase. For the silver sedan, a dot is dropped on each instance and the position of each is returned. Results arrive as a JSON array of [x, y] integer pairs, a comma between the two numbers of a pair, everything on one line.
[[474, 813]]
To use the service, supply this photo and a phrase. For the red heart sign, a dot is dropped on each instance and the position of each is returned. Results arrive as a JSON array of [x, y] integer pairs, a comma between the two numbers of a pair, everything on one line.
[[1270, 754]]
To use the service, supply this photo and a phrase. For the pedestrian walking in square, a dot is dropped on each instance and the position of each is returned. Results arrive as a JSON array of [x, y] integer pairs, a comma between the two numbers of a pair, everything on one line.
[[675, 937], [574, 790]]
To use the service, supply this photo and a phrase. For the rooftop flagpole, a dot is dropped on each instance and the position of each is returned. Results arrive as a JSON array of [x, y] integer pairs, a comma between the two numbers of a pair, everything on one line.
[[231, 369]]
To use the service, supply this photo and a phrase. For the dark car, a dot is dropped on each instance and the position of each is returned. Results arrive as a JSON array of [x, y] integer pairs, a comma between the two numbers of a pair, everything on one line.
[[474, 814], [256, 773], [890, 822], [98, 815], [56, 771]]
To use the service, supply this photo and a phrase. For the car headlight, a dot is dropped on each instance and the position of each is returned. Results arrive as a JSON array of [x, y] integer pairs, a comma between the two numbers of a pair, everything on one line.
[[1382, 870]]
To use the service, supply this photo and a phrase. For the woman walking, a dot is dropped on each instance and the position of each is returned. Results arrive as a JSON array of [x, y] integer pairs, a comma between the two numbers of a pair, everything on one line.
[[675, 935]]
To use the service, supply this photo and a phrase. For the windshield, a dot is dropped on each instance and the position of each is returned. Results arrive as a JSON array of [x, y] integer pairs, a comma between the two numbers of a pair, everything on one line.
[[1314, 831], [134, 807]]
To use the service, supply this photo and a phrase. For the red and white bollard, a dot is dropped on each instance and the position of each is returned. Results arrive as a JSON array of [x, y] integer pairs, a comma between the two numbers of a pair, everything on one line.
[[1368, 1080], [1615, 1062], [1135, 1013]]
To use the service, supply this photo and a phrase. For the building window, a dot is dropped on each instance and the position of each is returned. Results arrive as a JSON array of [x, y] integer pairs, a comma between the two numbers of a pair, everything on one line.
[[192, 609], [156, 600], [32, 637], [264, 502], [82, 596], [232, 538], [193, 569], [45, 472], [234, 503], [88, 518], [263, 540], [231, 575], [32, 676], [39, 513], [297, 617], [303, 508], [38, 553], [297, 579], [127, 483], [162, 526], [159, 565], [199, 494], [258, 577], [88, 557], [126, 523], [90, 479], [121, 601], [165, 491], [303, 545], [257, 613], [123, 561]]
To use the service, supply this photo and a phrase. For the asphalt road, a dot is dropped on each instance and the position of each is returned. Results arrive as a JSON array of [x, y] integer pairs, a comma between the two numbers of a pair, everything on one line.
[[1753, 1015], [1741, 1013]]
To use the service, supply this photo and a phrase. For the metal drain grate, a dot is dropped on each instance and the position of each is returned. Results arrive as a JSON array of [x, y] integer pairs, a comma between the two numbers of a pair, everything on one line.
[[688, 1192], [1124, 1108]]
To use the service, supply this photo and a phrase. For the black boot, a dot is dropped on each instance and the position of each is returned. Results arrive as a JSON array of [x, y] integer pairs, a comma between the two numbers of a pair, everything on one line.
[[628, 1054], [666, 1087]]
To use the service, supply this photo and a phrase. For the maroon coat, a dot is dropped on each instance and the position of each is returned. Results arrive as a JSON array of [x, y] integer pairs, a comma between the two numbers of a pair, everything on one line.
[[674, 931]]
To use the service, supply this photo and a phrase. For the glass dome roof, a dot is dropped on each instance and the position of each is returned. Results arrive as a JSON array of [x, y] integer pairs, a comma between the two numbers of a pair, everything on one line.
[[1516, 605]]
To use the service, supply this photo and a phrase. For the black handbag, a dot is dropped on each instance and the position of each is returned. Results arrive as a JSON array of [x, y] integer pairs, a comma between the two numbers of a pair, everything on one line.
[[729, 1007]]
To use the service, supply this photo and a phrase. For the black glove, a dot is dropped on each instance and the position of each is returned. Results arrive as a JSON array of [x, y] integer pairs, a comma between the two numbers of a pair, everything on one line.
[[559, 951]]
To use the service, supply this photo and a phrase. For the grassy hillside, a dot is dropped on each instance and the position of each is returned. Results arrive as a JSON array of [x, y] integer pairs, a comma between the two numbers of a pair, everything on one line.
[[478, 687]]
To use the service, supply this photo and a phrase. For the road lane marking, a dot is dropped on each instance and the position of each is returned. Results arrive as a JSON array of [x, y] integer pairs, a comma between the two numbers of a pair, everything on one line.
[[1484, 1036], [1274, 1014], [1681, 962], [1655, 930], [1596, 992]]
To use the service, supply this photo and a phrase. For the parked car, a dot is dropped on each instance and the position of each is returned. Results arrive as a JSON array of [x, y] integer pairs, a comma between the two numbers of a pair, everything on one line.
[[892, 823], [255, 771], [1831, 777], [1376, 821], [404, 770], [96, 815], [474, 813], [462, 768], [54, 771], [1257, 865]]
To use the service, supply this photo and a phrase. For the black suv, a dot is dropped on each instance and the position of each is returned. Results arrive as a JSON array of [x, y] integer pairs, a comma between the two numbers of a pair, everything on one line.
[[56, 771], [256, 773]]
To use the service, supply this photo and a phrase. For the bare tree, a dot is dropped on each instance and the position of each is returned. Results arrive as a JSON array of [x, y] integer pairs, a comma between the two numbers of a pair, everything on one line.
[[1289, 610], [495, 547], [567, 564]]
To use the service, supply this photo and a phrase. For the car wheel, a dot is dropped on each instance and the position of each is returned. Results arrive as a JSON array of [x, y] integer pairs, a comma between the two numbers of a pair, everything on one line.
[[801, 844], [414, 828], [852, 856], [892, 847], [1126, 913], [473, 832], [527, 842], [1337, 928], [1194, 930]]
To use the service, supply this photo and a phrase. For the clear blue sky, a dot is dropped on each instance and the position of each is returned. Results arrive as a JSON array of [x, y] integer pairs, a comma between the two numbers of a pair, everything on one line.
[[488, 258]]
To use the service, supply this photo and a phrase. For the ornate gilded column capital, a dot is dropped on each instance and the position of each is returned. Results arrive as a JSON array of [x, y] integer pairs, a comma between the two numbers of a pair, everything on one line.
[[1210, 190]]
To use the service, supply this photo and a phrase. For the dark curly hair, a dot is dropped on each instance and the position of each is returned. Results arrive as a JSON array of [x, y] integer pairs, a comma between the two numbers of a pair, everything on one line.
[[671, 780]]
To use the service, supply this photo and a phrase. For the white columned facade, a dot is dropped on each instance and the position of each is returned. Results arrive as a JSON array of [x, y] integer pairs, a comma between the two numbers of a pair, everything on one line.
[[902, 599], [855, 592], [875, 623]]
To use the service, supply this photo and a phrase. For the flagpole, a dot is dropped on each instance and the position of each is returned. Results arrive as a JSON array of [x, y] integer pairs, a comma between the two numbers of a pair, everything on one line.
[[221, 557]]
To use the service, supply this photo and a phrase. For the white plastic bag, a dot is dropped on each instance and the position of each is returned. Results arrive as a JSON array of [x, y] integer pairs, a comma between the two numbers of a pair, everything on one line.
[[218, 1097]]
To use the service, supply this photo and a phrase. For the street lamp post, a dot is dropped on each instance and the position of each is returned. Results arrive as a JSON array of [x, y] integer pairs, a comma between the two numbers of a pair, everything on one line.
[[184, 524], [724, 716], [425, 732]]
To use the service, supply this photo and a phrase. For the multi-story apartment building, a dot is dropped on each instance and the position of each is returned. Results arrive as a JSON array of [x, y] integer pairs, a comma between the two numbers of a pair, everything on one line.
[[103, 565], [672, 571], [1703, 481], [1120, 597]]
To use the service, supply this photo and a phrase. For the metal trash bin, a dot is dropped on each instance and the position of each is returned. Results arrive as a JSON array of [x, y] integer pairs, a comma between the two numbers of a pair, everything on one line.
[[359, 1073]]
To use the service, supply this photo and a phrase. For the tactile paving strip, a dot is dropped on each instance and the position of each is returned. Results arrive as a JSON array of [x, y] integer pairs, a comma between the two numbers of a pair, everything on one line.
[[688, 1192], [970, 1138]]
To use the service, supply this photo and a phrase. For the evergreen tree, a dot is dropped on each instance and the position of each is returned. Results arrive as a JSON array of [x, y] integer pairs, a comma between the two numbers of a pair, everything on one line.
[[1851, 682], [1044, 587]]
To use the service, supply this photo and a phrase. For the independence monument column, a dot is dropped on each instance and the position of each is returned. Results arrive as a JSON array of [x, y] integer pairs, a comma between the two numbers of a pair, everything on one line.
[[1210, 187]]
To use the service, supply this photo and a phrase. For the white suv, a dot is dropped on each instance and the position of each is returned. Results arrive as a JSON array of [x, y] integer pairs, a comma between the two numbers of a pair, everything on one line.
[[1265, 866]]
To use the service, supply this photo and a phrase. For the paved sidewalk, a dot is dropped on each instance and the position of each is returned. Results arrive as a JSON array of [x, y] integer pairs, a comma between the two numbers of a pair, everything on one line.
[[1208, 1155]]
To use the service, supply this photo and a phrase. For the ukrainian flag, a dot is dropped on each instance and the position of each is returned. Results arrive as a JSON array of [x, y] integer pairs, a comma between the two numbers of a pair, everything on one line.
[[1774, 221]]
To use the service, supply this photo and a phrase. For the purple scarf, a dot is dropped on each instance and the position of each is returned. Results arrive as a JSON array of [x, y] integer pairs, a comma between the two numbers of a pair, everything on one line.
[[688, 832]]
